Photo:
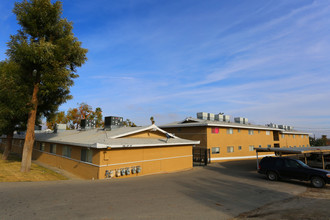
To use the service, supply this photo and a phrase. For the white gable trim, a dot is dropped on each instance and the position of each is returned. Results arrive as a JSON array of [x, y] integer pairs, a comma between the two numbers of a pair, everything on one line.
[[151, 127]]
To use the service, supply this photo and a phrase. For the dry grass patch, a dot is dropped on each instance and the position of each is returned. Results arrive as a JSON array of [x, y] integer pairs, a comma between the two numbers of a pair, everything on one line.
[[10, 172]]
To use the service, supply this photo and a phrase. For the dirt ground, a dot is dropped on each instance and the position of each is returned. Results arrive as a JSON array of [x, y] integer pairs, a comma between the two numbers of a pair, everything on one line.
[[313, 204]]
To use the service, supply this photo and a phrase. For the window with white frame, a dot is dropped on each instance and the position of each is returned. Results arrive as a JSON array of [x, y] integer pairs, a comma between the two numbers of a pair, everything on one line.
[[251, 148], [267, 132], [250, 132], [294, 136], [52, 148], [66, 151], [42, 146], [238, 130], [86, 155], [215, 150], [230, 131], [282, 135], [230, 149]]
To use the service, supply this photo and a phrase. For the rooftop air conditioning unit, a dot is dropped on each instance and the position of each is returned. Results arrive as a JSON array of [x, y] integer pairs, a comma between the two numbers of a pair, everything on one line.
[[113, 122], [210, 116], [202, 115]]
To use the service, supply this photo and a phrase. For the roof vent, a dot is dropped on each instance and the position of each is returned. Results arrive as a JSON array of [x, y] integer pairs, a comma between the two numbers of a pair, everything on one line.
[[113, 122]]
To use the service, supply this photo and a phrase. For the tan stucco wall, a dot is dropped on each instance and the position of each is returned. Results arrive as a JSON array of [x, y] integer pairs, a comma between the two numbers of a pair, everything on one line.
[[148, 134], [242, 138], [191, 133], [296, 140], [152, 160]]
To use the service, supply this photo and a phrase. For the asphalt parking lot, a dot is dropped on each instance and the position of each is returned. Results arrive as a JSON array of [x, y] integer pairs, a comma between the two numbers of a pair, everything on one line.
[[219, 191]]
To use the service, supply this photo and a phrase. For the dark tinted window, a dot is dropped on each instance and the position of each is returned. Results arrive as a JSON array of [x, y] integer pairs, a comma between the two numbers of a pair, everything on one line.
[[291, 164], [266, 161], [279, 163]]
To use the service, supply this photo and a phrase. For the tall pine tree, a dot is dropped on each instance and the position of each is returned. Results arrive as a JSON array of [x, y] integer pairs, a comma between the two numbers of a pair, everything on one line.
[[48, 54]]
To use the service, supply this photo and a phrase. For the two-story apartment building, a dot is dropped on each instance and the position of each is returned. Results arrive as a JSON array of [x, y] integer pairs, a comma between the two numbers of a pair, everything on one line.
[[235, 140]]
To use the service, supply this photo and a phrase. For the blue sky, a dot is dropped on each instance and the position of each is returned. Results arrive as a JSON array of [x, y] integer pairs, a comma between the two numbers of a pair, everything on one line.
[[264, 60]]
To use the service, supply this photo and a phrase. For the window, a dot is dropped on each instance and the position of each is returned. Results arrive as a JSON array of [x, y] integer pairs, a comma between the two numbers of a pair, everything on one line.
[[66, 151], [291, 164], [279, 163], [251, 148], [86, 155], [215, 130], [230, 131], [303, 145], [52, 148], [267, 132], [258, 131], [259, 146], [239, 147], [238, 130], [301, 136], [42, 146], [282, 135], [269, 146], [294, 136], [215, 150], [230, 149], [250, 132]]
